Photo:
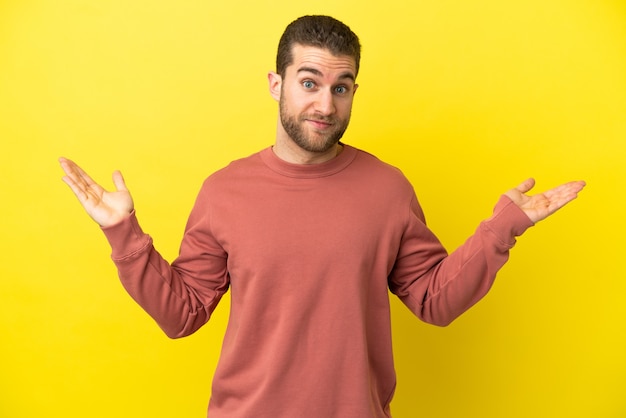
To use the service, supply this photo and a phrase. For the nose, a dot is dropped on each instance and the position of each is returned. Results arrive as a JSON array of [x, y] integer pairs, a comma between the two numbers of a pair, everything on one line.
[[325, 103]]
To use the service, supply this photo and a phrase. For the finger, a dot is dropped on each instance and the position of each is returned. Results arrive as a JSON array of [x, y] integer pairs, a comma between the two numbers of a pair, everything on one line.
[[119, 182], [563, 194], [526, 185], [67, 166], [77, 174], [78, 191], [70, 177], [577, 186], [566, 191]]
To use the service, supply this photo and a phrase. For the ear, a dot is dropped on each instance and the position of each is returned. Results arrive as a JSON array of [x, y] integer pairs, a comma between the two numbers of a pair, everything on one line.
[[356, 86], [275, 83]]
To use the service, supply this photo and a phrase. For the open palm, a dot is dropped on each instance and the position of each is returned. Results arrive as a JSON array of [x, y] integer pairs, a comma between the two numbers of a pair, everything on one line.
[[542, 205], [104, 207]]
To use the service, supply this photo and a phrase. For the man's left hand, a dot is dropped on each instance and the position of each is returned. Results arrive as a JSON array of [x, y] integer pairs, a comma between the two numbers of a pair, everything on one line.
[[542, 205]]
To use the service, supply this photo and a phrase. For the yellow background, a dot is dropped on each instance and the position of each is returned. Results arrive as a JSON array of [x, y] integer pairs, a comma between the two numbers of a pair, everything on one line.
[[468, 98]]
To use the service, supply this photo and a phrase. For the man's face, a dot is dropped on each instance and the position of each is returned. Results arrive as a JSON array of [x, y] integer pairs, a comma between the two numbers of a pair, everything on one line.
[[316, 96]]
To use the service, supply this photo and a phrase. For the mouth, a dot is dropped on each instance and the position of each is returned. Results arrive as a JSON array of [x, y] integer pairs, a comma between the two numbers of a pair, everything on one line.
[[319, 124]]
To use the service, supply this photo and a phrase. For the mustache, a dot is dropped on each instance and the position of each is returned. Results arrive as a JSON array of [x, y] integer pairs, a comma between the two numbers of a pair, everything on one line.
[[318, 118]]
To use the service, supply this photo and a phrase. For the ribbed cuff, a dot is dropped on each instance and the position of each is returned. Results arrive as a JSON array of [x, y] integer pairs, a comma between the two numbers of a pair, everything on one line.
[[508, 221], [126, 237]]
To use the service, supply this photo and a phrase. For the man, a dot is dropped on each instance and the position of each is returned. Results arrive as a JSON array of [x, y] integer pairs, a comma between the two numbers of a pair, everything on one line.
[[309, 235]]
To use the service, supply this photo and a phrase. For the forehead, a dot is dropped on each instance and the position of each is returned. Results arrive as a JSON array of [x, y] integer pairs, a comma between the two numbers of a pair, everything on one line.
[[321, 60]]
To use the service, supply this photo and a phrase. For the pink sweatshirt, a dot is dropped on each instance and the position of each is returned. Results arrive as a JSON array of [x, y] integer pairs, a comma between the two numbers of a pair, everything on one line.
[[309, 253]]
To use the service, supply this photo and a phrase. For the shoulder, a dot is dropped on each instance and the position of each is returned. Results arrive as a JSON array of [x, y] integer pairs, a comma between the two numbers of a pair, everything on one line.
[[235, 171], [370, 159], [375, 169]]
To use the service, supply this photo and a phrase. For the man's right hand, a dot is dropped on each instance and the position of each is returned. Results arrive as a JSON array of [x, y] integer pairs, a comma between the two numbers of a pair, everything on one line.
[[106, 208]]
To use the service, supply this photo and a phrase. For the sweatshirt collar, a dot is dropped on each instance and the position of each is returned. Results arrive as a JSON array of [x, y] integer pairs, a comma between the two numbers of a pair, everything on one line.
[[324, 169]]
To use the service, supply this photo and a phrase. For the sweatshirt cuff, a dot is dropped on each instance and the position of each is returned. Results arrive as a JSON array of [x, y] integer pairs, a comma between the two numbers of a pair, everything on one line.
[[508, 221], [126, 237]]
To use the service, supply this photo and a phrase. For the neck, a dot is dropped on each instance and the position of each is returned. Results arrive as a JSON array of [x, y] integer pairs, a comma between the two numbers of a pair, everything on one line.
[[287, 150], [300, 156]]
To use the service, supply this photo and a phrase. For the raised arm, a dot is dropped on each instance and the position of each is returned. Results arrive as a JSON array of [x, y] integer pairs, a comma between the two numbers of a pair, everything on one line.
[[439, 287], [181, 296], [104, 207]]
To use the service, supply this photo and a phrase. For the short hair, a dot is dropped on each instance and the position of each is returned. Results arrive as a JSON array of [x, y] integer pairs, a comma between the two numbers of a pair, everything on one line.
[[319, 31]]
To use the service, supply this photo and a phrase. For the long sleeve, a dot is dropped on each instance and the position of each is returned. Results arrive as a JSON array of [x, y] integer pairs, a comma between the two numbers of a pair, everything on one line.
[[308, 254], [180, 297], [438, 287]]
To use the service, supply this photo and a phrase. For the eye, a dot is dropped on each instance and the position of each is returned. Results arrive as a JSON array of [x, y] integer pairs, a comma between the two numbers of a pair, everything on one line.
[[308, 84], [341, 89]]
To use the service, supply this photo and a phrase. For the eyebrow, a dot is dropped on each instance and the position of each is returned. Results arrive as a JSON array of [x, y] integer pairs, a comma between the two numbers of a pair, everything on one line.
[[318, 73]]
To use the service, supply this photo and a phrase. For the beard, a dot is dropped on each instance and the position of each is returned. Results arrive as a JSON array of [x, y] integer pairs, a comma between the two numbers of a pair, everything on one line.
[[319, 142]]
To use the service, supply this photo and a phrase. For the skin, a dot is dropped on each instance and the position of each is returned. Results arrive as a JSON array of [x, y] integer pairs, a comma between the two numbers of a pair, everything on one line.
[[315, 98]]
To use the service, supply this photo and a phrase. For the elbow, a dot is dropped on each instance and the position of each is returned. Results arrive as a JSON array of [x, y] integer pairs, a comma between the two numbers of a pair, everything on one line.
[[179, 330], [443, 322], [174, 335], [444, 311], [172, 332], [440, 321], [439, 317]]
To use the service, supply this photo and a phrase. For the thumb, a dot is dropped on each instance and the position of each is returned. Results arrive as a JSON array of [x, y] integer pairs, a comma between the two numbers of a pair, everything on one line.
[[118, 181], [526, 185]]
